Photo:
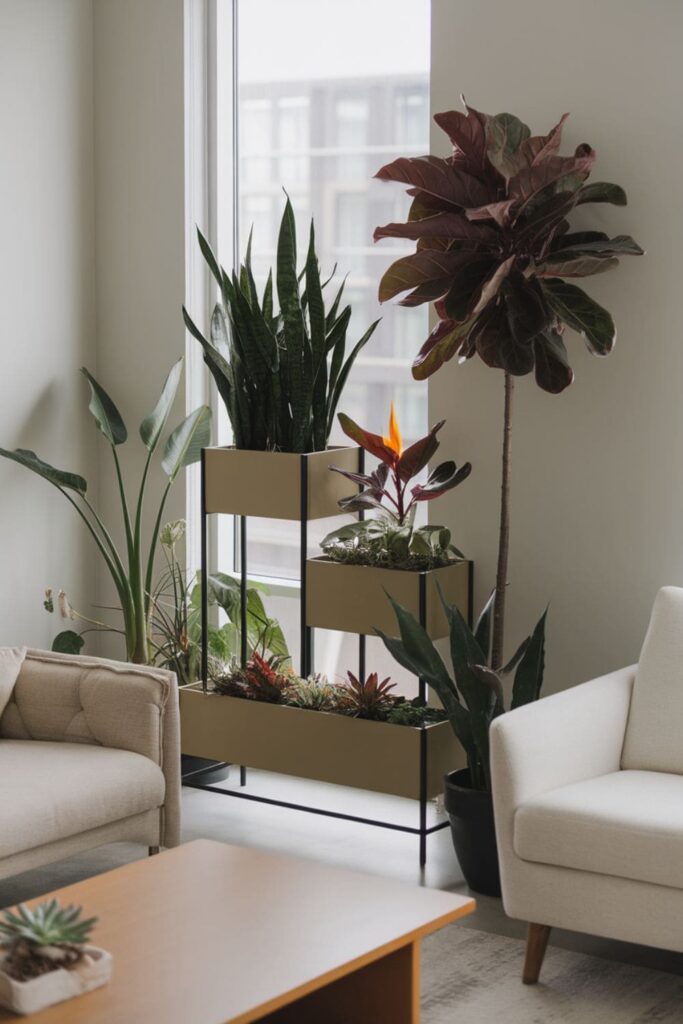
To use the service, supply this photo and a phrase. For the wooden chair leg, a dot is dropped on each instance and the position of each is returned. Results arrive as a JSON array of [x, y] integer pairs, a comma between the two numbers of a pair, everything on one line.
[[153, 850], [536, 943]]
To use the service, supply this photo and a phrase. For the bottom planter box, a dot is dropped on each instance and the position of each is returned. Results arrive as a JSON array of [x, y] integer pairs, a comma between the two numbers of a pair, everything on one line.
[[25, 997], [316, 745], [353, 598]]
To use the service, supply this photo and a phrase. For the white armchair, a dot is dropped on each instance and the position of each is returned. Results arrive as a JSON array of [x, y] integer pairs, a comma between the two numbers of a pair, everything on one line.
[[588, 801]]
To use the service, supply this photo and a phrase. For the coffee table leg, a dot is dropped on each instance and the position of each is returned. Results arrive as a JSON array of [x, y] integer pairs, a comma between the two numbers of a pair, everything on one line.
[[386, 991]]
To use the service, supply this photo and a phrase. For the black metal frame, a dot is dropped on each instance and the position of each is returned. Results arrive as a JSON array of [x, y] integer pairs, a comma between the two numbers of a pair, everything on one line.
[[306, 661]]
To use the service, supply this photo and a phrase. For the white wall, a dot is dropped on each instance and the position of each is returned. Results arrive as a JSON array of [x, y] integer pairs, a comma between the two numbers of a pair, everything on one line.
[[140, 201], [48, 330], [597, 490]]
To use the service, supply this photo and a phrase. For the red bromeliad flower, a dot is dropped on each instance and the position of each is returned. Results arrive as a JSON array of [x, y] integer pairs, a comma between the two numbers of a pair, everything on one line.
[[399, 465]]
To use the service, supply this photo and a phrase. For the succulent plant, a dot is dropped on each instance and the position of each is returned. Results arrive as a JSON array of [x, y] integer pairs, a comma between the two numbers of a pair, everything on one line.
[[314, 694], [366, 699], [44, 939], [280, 374]]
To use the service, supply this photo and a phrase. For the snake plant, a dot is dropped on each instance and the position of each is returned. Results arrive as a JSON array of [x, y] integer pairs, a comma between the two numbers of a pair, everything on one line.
[[132, 574], [280, 373]]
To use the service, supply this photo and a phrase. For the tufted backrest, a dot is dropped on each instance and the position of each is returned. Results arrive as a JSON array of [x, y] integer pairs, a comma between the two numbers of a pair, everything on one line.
[[654, 732], [87, 700]]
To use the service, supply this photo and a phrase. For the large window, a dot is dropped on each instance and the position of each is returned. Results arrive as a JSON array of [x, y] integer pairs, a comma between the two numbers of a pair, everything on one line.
[[327, 92]]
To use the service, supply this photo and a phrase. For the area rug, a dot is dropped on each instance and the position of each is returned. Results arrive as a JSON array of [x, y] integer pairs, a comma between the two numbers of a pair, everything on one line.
[[474, 977]]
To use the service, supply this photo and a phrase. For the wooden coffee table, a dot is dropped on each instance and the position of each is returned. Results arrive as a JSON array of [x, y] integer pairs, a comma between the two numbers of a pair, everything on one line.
[[210, 934]]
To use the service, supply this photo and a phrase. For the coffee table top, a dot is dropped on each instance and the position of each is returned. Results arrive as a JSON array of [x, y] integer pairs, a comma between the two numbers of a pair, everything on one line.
[[212, 933]]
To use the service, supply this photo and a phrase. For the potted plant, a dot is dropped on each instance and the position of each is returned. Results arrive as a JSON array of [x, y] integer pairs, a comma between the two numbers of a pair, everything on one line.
[[133, 572], [497, 254], [347, 584], [46, 957], [280, 375], [264, 716]]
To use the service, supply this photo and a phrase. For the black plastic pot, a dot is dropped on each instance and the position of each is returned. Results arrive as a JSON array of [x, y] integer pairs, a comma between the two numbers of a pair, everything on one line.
[[202, 770], [470, 812]]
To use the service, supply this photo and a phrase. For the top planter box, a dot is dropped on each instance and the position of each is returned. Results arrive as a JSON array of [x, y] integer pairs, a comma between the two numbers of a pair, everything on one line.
[[270, 484]]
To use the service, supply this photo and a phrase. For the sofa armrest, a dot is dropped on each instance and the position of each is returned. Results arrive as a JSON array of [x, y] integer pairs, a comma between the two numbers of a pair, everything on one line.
[[77, 699], [567, 737]]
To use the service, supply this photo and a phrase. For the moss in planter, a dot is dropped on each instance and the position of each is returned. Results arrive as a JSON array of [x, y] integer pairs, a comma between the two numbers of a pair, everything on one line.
[[383, 544]]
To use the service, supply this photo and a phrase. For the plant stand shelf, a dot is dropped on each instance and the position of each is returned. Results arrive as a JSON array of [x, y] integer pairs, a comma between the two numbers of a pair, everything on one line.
[[234, 730]]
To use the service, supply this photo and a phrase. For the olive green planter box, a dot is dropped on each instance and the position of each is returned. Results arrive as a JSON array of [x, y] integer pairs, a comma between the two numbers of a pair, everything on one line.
[[353, 598], [269, 484], [316, 745]]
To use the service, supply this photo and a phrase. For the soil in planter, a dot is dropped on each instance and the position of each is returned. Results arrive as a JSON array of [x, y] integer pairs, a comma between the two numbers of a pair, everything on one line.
[[22, 963]]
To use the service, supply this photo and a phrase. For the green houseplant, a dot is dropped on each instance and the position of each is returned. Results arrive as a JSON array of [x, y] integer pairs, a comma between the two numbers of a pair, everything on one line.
[[132, 573], [279, 373], [387, 551], [496, 253]]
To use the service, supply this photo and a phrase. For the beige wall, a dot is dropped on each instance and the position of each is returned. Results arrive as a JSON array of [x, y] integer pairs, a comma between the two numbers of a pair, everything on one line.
[[46, 269], [597, 486], [140, 201]]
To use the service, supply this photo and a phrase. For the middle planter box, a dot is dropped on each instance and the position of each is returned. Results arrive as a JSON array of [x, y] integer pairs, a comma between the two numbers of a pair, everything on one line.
[[353, 598]]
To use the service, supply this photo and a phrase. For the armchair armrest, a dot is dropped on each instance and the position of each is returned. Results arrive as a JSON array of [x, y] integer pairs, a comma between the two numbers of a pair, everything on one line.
[[567, 737], [77, 699]]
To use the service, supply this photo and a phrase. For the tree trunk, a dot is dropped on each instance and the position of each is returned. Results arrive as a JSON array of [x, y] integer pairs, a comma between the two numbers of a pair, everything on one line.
[[498, 641]]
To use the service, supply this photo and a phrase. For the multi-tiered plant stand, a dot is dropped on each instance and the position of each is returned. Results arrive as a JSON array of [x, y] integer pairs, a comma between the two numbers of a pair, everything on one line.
[[398, 760]]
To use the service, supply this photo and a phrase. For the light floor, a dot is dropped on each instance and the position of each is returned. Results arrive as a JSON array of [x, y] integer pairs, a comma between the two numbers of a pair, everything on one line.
[[343, 843]]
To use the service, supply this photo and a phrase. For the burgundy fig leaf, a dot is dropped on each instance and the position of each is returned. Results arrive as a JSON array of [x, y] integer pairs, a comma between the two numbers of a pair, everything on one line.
[[420, 268], [578, 266], [372, 443], [528, 182], [505, 134], [498, 347], [453, 226], [526, 311], [622, 245], [430, 291], [577, 310], [467, 132], [536, 148], [414, 459], [498, 211], [552, 369], [436, 177], [492, 286], [467, 286], [443, 343], [602, 192]]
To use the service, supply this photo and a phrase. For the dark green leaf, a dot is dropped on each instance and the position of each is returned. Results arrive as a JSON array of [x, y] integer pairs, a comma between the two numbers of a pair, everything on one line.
[[59, 477], [185, 444], [107, 416], [583, 314], [152, 426], [602, 192], [552, 369], [482, 628], [68, 642], [529, 674]]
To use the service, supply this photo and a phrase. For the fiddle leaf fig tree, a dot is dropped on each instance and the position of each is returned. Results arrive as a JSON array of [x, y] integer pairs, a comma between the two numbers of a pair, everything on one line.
[[132, 572], [496, 253]]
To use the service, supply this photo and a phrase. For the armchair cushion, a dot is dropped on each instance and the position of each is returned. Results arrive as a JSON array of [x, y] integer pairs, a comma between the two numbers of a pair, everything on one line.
[[11, 659], [63, 789], [653, 733], [627, 824]]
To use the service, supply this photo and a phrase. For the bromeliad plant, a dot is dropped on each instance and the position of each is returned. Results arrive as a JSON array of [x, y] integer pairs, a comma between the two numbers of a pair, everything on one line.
[[496, 252], [366, 698], [280, 374], [390, 539], [132, 573], [38, 941]]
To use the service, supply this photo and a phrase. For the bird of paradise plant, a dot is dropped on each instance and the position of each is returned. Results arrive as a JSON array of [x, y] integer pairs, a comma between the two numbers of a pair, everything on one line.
[[390, 538]]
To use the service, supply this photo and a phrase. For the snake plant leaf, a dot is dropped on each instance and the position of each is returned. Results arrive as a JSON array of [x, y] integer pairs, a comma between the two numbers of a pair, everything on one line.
[[185, 444], [482, 627], [153, 425], [107, 416], [340, 383], [58, 477], [582, 313], [529, 674], [211, 261]]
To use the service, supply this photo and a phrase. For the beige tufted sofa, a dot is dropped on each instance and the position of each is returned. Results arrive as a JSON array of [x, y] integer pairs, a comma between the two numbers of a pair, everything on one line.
[[89, 754]]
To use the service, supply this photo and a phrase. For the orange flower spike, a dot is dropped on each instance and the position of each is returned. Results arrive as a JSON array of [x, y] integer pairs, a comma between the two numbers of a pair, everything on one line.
[[394, 440]]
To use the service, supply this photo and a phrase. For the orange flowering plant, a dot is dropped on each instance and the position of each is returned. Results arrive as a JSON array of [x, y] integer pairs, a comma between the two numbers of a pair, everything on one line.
[[390, 539]]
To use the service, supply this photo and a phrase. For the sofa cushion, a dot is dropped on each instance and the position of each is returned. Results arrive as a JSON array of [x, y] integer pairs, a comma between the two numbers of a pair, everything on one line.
[[55, 790], [11, 660], [654, 731], [628, 824]]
